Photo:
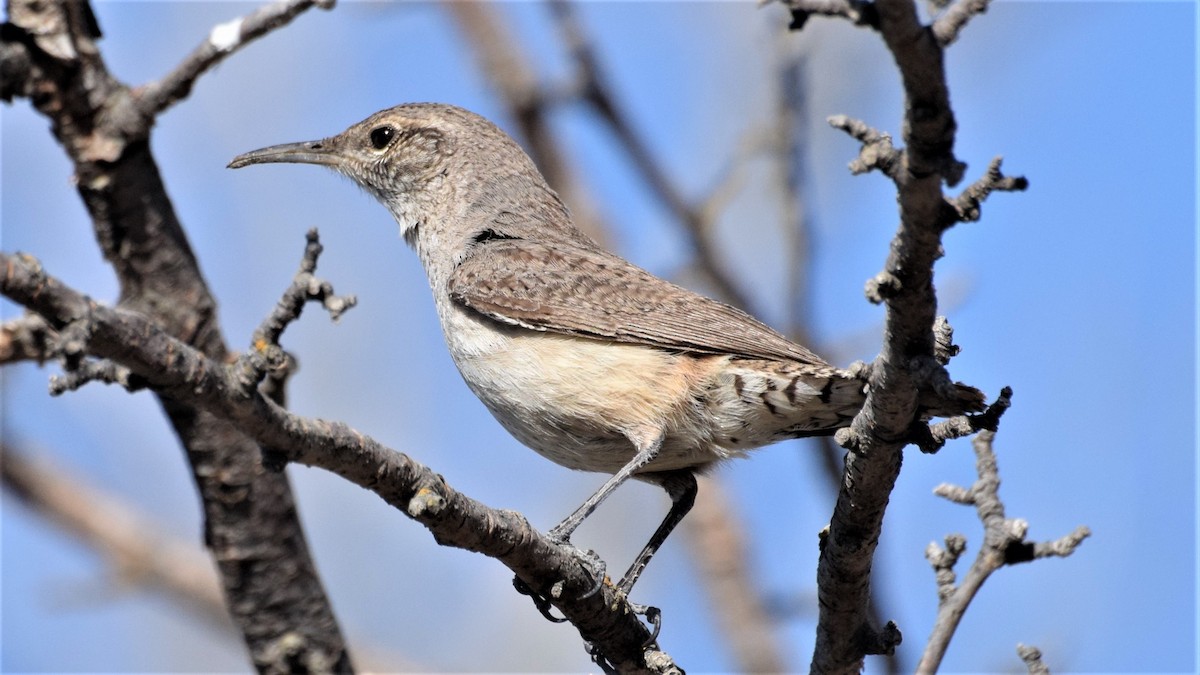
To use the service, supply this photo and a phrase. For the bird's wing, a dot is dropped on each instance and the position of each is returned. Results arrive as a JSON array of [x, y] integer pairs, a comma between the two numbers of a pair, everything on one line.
[[593, 294]]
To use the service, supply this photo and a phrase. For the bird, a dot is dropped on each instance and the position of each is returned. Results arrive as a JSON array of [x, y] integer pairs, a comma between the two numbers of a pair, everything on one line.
[[591, 361]]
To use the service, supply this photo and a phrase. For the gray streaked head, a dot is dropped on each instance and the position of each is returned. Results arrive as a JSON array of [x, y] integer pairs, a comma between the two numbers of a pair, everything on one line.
[[415, 159]]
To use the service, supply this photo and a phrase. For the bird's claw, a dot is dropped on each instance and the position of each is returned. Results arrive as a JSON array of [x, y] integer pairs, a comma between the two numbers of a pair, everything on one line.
[[590, 560], [654, 616], [540, 601], [596, 568]]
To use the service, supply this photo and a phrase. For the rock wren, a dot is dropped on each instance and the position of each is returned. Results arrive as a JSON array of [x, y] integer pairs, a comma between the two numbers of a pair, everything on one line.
[[594, 363]]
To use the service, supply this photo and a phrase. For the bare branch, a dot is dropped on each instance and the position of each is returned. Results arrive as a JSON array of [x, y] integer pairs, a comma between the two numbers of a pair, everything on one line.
[[104, 371], [529, 104], [858, 12], [1003, 544], [732, 176], [266, 356], [225, 39], [138, 550], [947, 26], [965, 207], [908, 359], [599, 95], [877, 151], [174, 369], [1032, 656], [250, 520], [26, 338], [721, 557], [1063, 546], [961, 426]]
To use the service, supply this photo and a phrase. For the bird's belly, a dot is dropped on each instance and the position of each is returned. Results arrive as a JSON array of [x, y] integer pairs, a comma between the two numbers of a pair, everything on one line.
[[589, 404]]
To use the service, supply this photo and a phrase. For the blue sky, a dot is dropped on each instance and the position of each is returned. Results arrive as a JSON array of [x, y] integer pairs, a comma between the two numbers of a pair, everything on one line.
[[1079, 293]]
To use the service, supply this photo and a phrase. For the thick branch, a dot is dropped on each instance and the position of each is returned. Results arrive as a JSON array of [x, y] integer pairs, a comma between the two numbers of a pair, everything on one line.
[[251, 526], [908, 361], [184, 374]]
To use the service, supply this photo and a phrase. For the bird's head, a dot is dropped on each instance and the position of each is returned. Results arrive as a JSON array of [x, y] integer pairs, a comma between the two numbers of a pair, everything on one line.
[[417, 159]]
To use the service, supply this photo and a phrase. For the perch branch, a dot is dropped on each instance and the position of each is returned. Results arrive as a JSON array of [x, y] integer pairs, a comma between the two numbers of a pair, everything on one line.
[[174, 369]]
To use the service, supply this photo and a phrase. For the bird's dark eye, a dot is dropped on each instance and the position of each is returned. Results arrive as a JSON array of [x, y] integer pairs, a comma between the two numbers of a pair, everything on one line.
[[381, 136]]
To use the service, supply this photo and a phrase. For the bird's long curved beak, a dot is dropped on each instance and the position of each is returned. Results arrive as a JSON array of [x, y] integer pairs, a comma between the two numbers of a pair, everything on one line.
[[309, 152]]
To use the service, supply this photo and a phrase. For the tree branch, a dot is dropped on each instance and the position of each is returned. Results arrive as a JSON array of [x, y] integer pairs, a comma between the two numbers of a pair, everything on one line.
[[251, 525], [1003, 544], [529, 105], [174, 369], [948, 26], [136, 549], [26, 338], [155, 97], [1032, 656], [908, 361], [721, 556]]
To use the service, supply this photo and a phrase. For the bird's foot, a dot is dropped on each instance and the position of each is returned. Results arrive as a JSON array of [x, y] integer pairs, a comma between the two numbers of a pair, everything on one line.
[[654, 616], [540, 601], [590, 561]]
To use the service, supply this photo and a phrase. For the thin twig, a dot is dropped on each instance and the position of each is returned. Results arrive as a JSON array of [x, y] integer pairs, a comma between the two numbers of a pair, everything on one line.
[[266, 356], [1004, 543], [966, 206], [1032, 656], [950, 24], [224, 39], [858, 12]]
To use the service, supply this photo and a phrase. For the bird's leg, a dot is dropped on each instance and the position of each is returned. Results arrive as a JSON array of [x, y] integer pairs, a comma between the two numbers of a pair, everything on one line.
[[562, 532], [681, 487]]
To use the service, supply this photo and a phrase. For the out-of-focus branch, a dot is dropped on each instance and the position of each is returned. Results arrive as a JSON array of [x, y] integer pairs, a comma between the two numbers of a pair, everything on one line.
[[858, 12], [136, 548], [1003, 544], [1032, 657], [230, 392], [597, 92], [529, 104], [139, 552], [790, 163], [722, 559], [947, 26]]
